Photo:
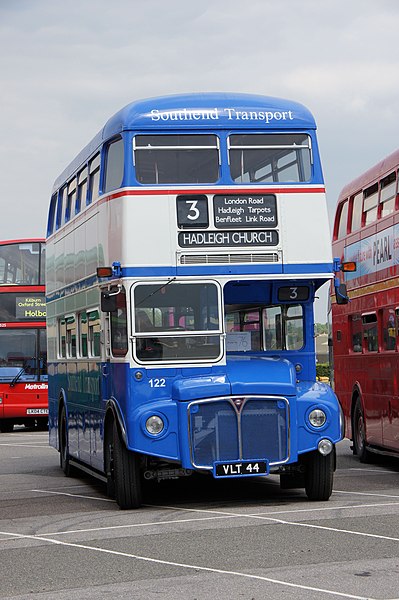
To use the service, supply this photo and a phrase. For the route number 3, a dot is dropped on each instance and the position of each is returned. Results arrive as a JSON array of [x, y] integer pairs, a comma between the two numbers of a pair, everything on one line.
[[192, 211], [297, 293]]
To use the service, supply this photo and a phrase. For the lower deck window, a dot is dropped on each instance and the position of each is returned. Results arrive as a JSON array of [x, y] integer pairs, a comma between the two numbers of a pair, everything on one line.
[[370, 332], [265, 328]]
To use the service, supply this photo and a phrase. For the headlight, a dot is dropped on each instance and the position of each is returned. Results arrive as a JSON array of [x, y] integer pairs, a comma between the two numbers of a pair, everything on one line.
[[317, 417], [154, 425]]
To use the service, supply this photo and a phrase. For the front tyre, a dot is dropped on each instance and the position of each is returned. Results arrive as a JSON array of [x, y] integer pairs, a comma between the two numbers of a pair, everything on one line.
[[359, 434], [6, 426], [126, 473], [319, 475]]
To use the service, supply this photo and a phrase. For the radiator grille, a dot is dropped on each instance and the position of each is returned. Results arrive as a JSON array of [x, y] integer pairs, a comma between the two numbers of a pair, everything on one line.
[[221, 432], [228, 258]]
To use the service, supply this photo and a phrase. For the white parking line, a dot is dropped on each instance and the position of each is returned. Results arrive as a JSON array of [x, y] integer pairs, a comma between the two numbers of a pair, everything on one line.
[[24, 445], [188, 566], [101, 498], [382, 470], [280, 521], [134, 525], [200, 519], [261, 516], [367, 494]]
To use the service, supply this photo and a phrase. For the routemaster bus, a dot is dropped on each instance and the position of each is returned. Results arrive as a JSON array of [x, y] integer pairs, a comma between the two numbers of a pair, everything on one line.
[[366, 330], [23, 350], [185, 246]]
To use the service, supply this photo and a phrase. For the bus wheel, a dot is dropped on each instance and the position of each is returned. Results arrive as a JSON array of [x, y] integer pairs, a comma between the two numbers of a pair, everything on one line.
[[6, 426], [64, 458], [126, 473], [319, 475], [359, 434]]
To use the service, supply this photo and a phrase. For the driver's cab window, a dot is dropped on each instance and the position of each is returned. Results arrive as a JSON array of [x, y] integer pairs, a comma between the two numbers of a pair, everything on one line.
[[119, 345]]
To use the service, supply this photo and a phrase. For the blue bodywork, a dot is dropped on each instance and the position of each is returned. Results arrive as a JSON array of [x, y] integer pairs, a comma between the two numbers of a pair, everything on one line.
[[277, 407]]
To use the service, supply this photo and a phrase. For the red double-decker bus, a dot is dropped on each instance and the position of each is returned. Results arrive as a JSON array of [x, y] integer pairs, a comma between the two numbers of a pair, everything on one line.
[[366, 330], [23, 353]]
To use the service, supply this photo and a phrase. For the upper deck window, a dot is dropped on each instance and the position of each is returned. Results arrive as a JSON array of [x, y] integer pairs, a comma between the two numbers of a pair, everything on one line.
[[82, 191], [370, 204], [357, 212], [114, 165], [62, 194], [70, 200], [94, 179], [388, 194], [176, 158], [343, 220], [52, 213], [21, 264], [258, 158]]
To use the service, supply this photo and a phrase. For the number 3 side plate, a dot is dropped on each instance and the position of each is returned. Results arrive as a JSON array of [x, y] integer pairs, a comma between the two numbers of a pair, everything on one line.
[[242, 468]]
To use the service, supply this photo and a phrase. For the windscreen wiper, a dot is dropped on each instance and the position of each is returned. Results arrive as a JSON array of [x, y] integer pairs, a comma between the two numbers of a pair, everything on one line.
[[17, 376], [23, 370]]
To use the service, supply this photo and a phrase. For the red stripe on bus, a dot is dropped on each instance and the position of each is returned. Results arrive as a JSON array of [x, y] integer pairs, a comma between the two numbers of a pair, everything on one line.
[[12, 324], [22, 288], [232, 192], [24, 241]]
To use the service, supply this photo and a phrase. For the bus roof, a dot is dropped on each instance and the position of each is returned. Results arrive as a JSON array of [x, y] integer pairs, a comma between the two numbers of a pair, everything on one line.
[[210, 110], [375, 173], [205, 110]]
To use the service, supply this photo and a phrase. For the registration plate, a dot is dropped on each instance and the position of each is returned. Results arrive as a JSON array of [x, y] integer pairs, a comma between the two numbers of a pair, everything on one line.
[[37, 411], [241, 468]]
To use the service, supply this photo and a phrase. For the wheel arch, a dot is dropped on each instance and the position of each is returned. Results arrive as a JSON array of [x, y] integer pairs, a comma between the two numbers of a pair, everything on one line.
[[62, 401], [114, 413]]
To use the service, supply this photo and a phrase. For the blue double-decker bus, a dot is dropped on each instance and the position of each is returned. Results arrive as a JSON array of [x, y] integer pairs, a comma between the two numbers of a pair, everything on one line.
[[185, 245]]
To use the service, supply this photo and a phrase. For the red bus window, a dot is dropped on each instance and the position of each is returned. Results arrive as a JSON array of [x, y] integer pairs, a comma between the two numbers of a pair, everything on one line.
[[343, 220], [370, 204], [388, 194], [388, 329], [370, 332], [357, 212], [356, 332]]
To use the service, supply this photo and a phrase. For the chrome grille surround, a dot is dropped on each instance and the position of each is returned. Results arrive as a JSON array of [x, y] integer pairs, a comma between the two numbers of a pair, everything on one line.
[[241, 411]]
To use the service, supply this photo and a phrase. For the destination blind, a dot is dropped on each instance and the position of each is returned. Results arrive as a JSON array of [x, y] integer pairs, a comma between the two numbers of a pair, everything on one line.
[[16, 306], [189, 239], [246, 220], [244, 211]]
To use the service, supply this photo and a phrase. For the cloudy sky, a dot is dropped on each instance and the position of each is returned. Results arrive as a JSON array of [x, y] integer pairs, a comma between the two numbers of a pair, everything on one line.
[[66, 66]]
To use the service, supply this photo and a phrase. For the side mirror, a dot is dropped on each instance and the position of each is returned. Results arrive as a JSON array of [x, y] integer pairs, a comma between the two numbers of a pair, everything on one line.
[[341, 294], [108, 301]]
